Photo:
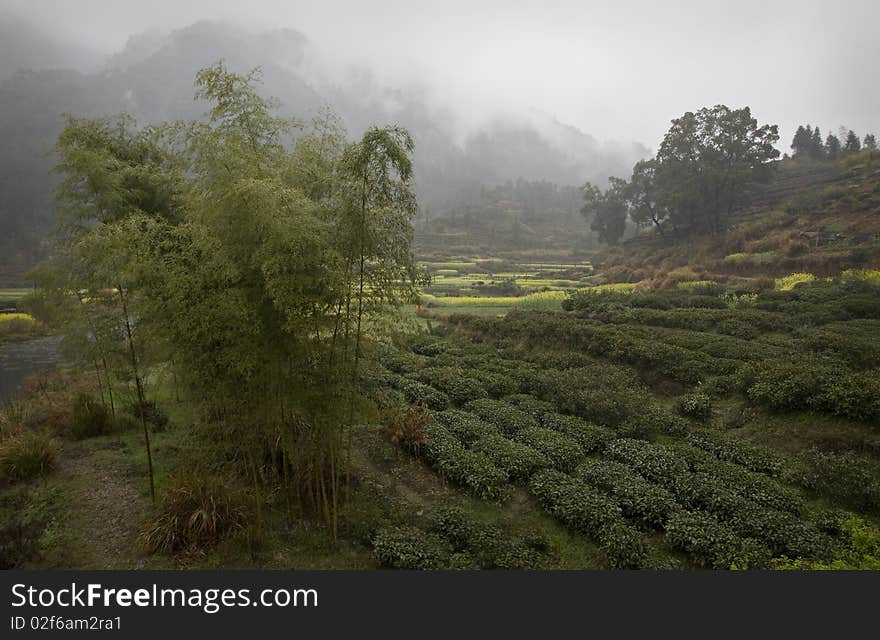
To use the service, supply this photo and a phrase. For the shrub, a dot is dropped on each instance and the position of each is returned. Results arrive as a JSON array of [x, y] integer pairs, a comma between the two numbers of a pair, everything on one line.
[[196, 512], [465, 426], [154, 416], [400, 362], [89, 419], [507, 418], [862, 550], [563, 452], [27, 514], [407, 424], [639, 499], [657, 463], [577, 505], [713, 544], [454, 383], [843, 477], [530, 404], [423, 394], [428, 346], [517, 459], [410, 548], [469, 469], [26, 455], [623, 546], [489, 546], [590, 437], [696, 405], [814, 384], [760, 459], [651, 420], [748, 484]]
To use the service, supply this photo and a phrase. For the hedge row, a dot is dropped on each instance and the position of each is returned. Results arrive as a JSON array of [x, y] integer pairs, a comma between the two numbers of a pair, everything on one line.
[[419, 393], [454, 382], [713, 544], [518, 460], [760, 459], [465, 426], [590, 437], [755, 486], [639, 499], [563, 452], [469, 469], [814, 384], [411, 548], [586, 510], [488, 544], [507, 418]]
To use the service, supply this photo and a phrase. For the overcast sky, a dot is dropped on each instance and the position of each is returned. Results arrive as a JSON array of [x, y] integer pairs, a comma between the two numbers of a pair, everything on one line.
[[615, 69]]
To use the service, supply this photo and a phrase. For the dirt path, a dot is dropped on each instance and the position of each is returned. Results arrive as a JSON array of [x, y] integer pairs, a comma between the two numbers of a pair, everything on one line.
[[105, 510]]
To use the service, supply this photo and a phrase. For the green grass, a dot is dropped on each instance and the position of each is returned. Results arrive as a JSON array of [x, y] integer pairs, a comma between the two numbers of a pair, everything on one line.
[[543, 300], [12, 295]]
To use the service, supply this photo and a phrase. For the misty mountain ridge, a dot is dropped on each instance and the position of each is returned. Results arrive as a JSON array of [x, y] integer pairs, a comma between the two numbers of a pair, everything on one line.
[[456, 156], [296, 74]]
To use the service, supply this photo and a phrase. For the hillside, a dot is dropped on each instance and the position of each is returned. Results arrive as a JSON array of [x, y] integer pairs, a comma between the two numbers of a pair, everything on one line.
[[813, 217], [152, 79]]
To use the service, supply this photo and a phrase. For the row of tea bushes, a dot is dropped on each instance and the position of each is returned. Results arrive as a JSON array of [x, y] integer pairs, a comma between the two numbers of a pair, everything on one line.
[[469, 469], [640, 500], [591, 512], [519, 460], [507, 418], [713, 544]]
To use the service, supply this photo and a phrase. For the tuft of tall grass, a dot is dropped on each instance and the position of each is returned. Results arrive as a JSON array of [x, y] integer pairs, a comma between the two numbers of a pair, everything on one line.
[[26, 455], [196, 512]]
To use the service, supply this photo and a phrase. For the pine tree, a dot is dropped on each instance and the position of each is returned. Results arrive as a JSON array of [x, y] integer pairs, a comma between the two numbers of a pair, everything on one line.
[[800, 144], [852, 144], [832, 146], [870, 142], [817, 149]]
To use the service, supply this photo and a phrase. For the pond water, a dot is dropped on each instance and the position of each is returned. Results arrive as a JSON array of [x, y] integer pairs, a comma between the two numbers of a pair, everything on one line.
[[18, 360]]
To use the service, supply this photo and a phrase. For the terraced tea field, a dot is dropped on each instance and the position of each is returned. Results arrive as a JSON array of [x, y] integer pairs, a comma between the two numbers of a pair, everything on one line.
[[683, 428], [493, 286]]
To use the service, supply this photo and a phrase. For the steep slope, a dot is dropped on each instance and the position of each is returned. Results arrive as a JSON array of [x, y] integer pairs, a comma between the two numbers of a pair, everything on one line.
[[814, 217]]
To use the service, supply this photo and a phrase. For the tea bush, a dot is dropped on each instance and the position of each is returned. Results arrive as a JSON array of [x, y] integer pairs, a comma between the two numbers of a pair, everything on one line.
[[577, 505], [760, 459], [588, 511], [489, 545], [529, 404], [507, 418], [657, 463], [843, 477], [520, 461], [814, 384], [465, 426], [469, 469], [696, 405], [418, 393], [563, 452], [454, 383], [639, 499], [713, 544], [411, 548], [748, 484], [623, 546], [590, 437]]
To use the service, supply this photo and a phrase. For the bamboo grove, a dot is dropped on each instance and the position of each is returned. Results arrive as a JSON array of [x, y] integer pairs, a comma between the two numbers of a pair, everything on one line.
[[247, 258]]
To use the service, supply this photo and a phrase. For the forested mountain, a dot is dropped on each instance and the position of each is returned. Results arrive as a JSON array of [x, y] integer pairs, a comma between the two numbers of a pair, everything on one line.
[[151, 78]]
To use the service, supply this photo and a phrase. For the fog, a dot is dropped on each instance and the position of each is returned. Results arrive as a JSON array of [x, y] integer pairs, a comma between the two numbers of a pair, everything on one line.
[[617, 70]]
